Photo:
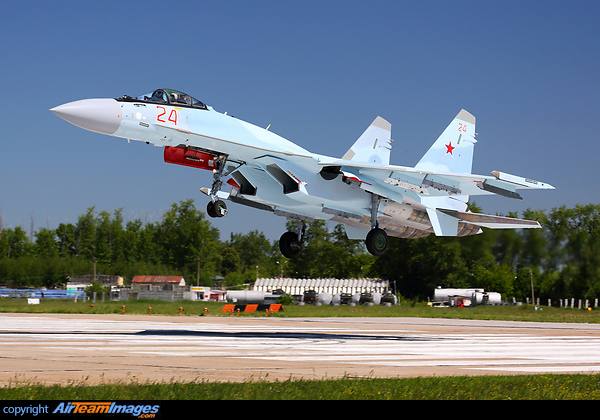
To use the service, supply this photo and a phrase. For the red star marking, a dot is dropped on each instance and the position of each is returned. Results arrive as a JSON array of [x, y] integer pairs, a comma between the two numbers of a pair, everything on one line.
[[449, 148]]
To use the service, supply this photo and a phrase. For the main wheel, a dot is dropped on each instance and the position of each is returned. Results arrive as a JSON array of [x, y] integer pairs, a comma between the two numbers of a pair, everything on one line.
[[289, 245], [377, 242]]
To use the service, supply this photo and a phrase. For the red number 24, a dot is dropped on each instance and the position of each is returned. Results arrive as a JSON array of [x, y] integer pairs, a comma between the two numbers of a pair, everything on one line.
[[172, 115]]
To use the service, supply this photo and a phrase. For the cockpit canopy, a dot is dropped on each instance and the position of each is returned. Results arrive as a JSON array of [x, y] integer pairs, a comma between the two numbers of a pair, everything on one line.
[[170, 97]]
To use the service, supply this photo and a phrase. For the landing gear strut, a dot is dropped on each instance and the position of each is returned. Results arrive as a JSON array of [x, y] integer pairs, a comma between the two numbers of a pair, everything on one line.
[[377, 239], [290, 243], [217, 208]]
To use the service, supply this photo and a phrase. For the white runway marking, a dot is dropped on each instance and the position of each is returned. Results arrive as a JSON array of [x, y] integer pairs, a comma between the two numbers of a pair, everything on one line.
[[228, 349]]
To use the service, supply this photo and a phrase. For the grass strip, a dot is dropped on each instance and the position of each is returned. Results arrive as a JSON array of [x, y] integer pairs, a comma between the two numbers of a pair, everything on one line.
[[422, 310], [525, 387]]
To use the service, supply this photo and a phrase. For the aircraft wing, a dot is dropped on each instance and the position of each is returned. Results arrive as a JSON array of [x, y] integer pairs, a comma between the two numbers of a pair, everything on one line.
[[489, 221], [443, 195], [429, 183]]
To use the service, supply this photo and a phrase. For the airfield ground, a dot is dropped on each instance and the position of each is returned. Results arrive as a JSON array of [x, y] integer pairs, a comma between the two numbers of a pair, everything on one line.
[[58, 348]]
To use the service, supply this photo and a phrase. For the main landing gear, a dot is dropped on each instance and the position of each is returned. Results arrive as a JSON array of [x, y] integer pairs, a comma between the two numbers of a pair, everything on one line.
[[290, 243], [377, 242], [377, 239]]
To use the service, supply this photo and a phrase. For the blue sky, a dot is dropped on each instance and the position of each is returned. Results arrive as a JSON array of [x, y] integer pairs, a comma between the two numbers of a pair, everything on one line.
[[318, 71]]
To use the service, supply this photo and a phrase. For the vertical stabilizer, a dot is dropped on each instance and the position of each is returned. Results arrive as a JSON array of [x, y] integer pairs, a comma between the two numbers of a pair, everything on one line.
[[453, 150], [374, 145]]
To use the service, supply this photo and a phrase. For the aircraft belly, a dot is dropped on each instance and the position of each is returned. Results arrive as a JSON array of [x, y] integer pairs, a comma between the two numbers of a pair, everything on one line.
[[335, 201]]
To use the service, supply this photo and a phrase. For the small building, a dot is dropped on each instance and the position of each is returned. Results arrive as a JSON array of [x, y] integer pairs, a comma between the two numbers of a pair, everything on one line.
[[157, 283], [106, 280], [81, 282], [205, 294]]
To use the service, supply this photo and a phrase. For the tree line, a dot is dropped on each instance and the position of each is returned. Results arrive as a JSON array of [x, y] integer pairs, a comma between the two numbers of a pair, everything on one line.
[[562, 259]]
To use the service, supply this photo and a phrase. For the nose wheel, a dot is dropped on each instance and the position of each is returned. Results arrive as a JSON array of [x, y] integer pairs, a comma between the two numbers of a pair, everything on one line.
[[216, 209]]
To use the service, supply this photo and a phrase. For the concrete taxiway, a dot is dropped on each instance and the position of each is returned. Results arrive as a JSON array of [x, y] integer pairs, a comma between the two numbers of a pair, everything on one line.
[[54, 348]]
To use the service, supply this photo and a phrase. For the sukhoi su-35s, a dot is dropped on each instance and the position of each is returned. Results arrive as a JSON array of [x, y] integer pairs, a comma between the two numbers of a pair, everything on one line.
[[361, 190]]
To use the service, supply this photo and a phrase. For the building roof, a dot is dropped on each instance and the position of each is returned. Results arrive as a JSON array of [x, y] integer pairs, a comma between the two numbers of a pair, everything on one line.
[[321, 282], [89, 278], [158, 279]]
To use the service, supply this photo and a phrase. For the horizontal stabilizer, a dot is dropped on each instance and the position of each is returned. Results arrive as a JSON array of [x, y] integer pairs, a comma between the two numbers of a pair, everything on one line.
[[488, 185], [521, 182], [489, 221]]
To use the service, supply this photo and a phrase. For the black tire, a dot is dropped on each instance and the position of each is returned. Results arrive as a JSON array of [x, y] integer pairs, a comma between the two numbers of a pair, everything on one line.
[[220, 208], [216, 209], [210, 209], [289, 245], [377, 242]]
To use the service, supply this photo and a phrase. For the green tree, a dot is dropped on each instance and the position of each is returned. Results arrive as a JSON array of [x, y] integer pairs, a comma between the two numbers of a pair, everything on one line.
[[67, 243], [46, 244], [253, 249], [98, 287], [230, 260], [187, 241], [14, 243], [417, 266], [575, 243]]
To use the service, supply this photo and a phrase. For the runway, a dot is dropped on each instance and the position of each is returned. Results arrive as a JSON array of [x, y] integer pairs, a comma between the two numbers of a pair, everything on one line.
[[53, 348]]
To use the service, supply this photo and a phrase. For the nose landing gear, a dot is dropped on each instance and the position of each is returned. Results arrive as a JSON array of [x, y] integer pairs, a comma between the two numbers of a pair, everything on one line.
[[216, 209]]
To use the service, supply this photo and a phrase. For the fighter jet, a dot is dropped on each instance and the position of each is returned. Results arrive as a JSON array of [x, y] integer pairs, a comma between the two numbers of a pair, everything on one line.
[[361, 190]]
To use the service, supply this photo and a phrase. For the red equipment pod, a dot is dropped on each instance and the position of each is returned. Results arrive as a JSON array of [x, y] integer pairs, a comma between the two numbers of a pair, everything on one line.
[[187, 157]]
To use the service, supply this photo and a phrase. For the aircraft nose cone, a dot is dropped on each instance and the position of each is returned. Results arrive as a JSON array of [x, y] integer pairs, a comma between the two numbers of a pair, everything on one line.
[[98, 115]]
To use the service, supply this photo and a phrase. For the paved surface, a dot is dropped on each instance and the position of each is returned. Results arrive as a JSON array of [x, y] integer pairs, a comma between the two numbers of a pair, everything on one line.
[[96, 348]]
